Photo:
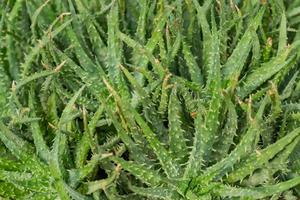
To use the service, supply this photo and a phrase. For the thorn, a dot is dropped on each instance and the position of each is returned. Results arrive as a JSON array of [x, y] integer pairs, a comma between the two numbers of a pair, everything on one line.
[[263, 2], [61, 16], [13, 86], [257, 152], [219, 5], [52, 126], [45, 65], [167, 29], [238, 10], [232, 5], [58, 68], [269, 41]]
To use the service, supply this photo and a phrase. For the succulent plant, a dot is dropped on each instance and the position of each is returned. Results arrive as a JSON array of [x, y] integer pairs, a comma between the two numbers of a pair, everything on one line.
[[161, 99]]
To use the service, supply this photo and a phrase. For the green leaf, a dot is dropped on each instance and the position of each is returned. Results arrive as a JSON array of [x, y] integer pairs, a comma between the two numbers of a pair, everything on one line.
[[257, 192], [43, 42], [87, 140], [157, 192], [257, 160], [114, 48], [33, 77], [39, 142], [206, 129], [56, 164], [19, 147], [166, 159], [234, 65], [177, 141], [244, 147], [263, 73], [68, 112], [78, 174], [229, 131], [144, 51], [203, 23], [194, 70], [282, 34], [147, 175]]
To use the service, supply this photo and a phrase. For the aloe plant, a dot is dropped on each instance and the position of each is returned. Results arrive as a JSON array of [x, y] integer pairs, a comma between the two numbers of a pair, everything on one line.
[[183, 99]]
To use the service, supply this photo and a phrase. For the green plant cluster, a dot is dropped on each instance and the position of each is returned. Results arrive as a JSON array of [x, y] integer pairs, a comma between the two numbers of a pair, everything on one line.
[[149, 99]]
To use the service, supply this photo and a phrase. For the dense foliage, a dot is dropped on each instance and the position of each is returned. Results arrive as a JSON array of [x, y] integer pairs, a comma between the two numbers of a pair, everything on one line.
[[149, 99]]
